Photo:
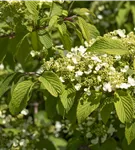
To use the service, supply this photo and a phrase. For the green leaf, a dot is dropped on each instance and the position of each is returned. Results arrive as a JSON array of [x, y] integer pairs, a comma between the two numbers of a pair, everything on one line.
[[56, 9], [35, 41], [45, 144], [20, 97], [67, 98], [5, 85], [65, 38], [87, 106], [124, 106], [130, 132], [109, 46], [133, 13], [89, 31], [60, 143], [105, 112], [50, 105], [53, 21], [46, 40], [51, 83], [79, 34], [74, 143], [123, 13], [32, 8], [109, 144], [23, 50], [3, 47]]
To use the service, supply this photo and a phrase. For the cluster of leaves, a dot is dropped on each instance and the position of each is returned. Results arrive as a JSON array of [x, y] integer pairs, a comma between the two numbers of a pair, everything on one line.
[[31, 33]]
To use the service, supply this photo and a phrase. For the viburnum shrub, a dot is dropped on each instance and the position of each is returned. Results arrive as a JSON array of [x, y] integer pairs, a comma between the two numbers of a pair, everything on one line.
[[63, 86]]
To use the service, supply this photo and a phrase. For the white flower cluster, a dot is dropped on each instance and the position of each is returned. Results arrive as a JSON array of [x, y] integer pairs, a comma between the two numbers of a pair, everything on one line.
[[90, 71], [13, 1]]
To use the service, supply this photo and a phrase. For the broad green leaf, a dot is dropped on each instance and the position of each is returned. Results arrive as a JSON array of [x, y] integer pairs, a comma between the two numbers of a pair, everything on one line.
[[89, 31], [65, 38], [20, 97], [51, 83], [74, 143], [35, 41], [53, 21], [50, 106], [3, 47], [109, 46], [123, 13], [130, 132], [60, 109], [133, 13], [67, 98], [87, 106], [124, 106], [46, 40], [59, 142], [125, 145], [109, 144], [32, 8], [23, 50], [105, 112], [45, 144], [79, 34], [56, 9], [5, 85]]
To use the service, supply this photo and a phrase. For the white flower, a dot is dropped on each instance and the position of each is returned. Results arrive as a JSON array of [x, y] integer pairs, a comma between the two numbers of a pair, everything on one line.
[[112, 69], [74, 50], [70, 68], [125, 69], [1, 66], [97, 88], [15, 142], [89, 135], [95, 141], [98, 67], [90, 66], [99, 16], [82, 49], [69, 55], [131, 81], [74, 59], [22, 142], [61, 79], [58, 126], [87, 90], [77, 86], [103, 139], [96, 59], [33, 53], [124, 85], [105, 64], [86, 44], [78, 73], [88, 71], [24, 112], [121, 33], [111, 130], [107, 87], [99, 78], [105, 55], [117, 57], [43, 1], [40, 70]]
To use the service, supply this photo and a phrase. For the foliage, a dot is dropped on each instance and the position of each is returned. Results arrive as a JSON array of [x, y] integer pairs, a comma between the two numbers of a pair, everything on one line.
[[63, 86]]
